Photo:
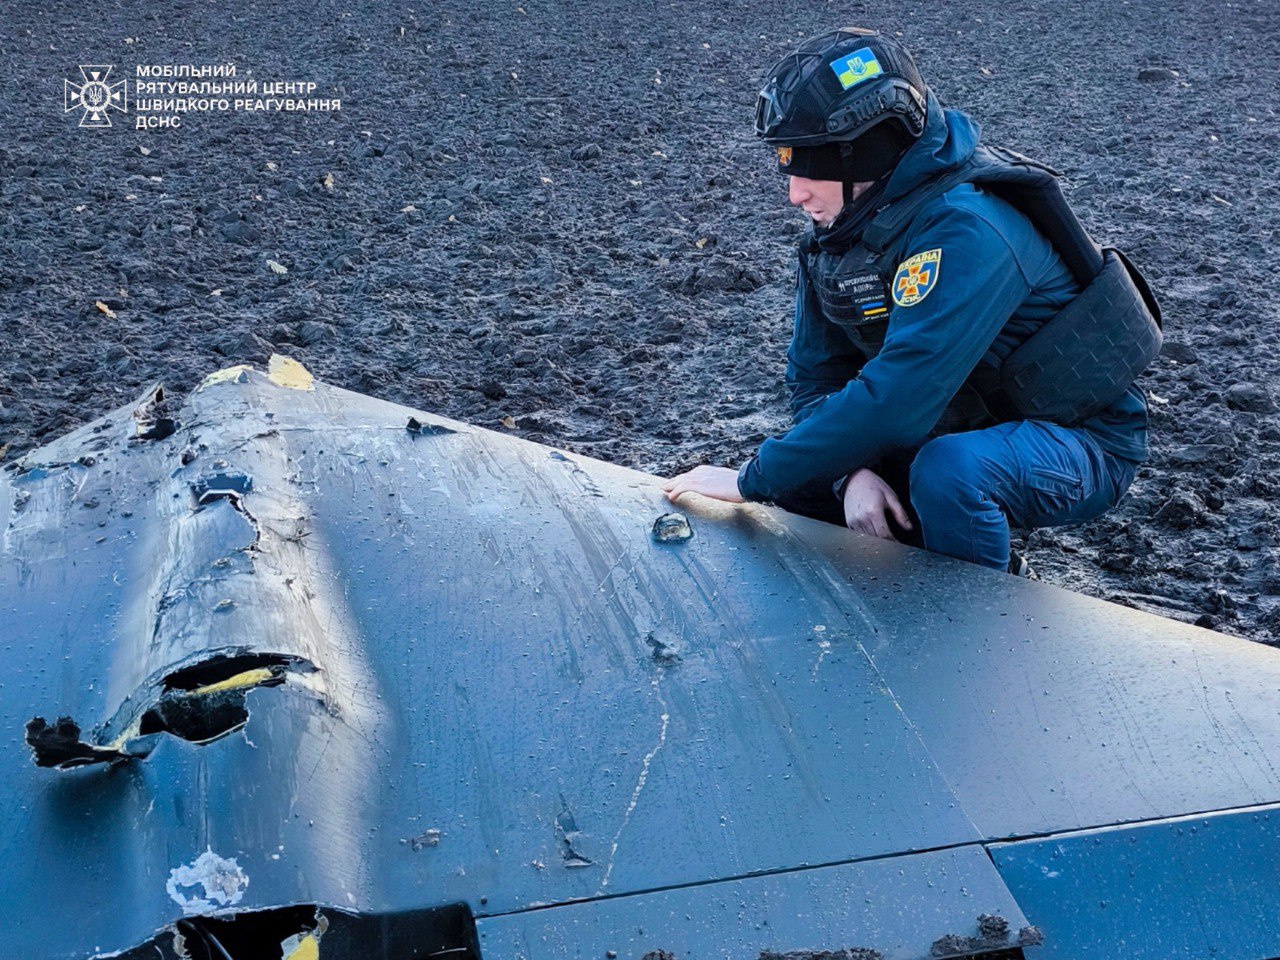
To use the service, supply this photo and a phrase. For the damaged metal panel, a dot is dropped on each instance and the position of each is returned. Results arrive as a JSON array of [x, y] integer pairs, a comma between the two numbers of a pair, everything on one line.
[[305, 649], [1201, 886], [145, 605], [700, 694], [382, 669], [308, 932], [928, 905], [1049, 711]]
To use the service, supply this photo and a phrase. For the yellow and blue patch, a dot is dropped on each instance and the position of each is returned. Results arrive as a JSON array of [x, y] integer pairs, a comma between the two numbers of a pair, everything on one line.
[[853, 68], [916, 276]]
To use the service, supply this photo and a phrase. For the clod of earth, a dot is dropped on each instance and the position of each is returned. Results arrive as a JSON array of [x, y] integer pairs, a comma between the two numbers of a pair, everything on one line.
[[1030, 937], [672, 528], [1182, 510], [993, 931], [993, 927], [950, 945], [1251, 398]]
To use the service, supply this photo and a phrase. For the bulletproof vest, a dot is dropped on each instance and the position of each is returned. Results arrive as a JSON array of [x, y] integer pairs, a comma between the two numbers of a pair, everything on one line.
[[1078, 363]]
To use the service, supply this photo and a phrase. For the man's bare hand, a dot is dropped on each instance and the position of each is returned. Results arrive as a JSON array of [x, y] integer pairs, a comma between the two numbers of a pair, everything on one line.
[[867, 502], [718, 483]]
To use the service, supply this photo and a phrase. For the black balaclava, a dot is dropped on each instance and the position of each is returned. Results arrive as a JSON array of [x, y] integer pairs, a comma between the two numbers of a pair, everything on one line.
[[863, 160], [843, 232]]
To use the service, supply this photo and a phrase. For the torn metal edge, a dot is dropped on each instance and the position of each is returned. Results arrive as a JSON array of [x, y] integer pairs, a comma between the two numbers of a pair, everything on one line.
[[199, 700]]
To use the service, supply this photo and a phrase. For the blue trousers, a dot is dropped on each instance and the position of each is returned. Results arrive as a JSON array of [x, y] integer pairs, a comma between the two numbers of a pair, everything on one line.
[[968, 489]]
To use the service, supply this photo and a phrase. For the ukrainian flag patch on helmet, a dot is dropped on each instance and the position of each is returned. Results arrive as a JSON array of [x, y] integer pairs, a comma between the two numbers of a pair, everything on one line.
[[916, 276], [855, 67]]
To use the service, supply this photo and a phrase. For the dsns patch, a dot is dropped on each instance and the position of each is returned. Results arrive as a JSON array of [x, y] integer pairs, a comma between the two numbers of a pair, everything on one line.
[[916, 276], [853, 68]]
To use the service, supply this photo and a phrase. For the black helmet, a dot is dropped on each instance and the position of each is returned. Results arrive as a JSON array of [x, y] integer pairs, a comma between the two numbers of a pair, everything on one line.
[[844, 105]]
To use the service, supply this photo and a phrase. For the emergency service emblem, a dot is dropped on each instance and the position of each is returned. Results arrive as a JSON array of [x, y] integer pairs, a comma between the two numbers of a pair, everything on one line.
[[784, 156], [855, 67], [916, 276], [96, 95]]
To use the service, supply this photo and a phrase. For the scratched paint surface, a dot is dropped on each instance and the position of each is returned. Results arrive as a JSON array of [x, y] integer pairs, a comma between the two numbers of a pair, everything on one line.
[[1049, 711], [899, 907], [584, 711], [1191, 887], [505, 662], [519, 698]]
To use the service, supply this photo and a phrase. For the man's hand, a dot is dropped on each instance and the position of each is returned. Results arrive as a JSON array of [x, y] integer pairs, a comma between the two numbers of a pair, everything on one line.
[[718, 483], [867, 502]]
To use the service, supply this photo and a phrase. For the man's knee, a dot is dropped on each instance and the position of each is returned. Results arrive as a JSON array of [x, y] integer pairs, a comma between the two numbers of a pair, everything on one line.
[[947, 470]]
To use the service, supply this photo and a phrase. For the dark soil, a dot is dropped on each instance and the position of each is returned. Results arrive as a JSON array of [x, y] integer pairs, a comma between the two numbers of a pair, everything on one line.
[[555, 217]]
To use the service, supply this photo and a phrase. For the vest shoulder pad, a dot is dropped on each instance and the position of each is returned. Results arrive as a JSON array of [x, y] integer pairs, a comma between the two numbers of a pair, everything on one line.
[[1031, 187]]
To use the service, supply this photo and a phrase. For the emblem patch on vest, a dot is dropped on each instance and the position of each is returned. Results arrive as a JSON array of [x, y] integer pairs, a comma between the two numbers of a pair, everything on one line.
[[916, 276], [866, 294]]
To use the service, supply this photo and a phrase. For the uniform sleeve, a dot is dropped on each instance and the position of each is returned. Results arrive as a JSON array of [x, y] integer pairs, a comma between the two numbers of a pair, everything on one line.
[[821, 359], [932, 344]]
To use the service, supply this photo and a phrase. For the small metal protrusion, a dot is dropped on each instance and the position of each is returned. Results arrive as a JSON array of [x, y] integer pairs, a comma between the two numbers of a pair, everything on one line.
[[672, 528], [416, 426], [221, 486], [428, 838], [153, 418]]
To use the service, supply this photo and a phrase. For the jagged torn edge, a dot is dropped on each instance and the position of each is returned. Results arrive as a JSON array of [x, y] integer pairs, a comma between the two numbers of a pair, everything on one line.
[[298, 929], [200, 701]]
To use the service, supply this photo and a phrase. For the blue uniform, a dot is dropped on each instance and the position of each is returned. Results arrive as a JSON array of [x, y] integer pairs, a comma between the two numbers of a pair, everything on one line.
[[977, 279]]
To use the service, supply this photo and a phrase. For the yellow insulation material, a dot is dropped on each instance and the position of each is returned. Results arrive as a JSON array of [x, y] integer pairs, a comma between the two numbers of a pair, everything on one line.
[[247, 678], [286, 372]]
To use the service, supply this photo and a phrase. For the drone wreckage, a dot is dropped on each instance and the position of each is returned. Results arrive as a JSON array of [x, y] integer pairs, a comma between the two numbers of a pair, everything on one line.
[[311, 675]]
